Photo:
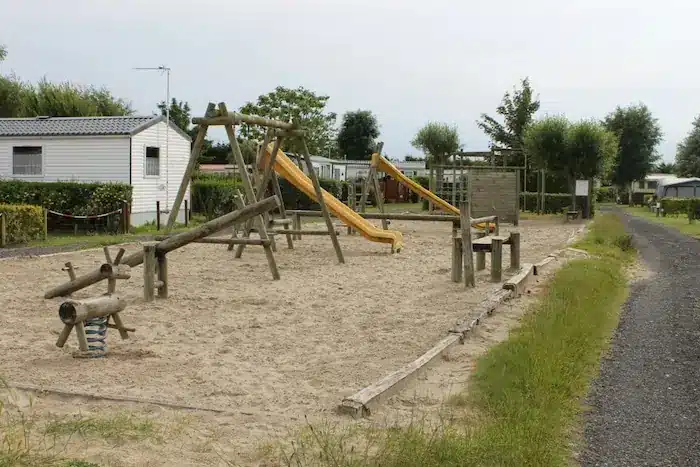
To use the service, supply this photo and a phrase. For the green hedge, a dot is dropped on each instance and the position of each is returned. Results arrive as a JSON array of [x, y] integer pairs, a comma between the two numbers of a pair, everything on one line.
[[676, 206], [606, 194], [66, 197], [554, 203], [23, 222]]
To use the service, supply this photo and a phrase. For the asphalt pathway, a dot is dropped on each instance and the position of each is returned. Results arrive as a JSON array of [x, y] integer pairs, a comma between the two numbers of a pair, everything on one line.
[[645, 407]]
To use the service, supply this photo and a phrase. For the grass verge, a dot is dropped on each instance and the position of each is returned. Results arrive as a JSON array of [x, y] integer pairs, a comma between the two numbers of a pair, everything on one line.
[[526, 394], [679, 222]]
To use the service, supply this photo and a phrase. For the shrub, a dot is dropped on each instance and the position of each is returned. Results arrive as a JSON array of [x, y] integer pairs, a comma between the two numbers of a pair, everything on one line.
[[554, 203], [606, 194], [66, 197], [23, 222], [213, 197], [674, 206]]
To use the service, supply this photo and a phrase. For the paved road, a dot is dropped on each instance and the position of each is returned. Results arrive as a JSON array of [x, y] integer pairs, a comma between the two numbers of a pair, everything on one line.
[[646, 404]]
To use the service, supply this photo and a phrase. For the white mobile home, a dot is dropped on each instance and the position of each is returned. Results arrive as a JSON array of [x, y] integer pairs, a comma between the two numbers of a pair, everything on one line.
[[141, 151]]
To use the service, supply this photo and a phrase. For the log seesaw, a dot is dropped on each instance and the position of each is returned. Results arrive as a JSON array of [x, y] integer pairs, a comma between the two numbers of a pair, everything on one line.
[[91, 316]]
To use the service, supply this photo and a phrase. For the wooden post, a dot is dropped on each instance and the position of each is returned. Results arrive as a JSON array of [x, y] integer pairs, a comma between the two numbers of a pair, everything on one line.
[[352, 202], [71, 271], [365, 190], [124, 217], [157, 215], [322, 202], [187, 176], [149, 271], [457, 254], [250, 196], [162, 275], [496, 259], [431, 186], [82, 338], [186, 214], [454, 180], [46, 224], [480, 255], [515, 250], [379, 196], [297, 225], [3, 231], [497, 226], [468, 256], [283, 210]]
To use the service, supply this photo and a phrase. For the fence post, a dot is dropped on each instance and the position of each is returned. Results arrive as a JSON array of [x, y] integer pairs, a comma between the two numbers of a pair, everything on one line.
[[186, 213], [157, 215], [125, 217], [3, 232], [46, 224]]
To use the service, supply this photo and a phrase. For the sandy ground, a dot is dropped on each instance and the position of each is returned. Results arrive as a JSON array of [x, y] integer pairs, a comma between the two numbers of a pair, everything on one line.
[[270, 354]]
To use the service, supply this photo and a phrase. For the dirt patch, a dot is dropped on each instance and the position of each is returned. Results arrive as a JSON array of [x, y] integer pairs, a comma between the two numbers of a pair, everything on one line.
[[270, 353]]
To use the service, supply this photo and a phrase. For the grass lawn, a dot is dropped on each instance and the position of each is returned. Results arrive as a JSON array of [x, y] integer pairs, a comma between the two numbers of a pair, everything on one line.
[[527, 392], [677, 222]]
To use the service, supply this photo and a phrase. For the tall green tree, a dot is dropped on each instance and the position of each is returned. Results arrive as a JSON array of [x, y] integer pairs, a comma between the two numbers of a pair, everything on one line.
[[3, 52], [438, 141], [665, 167], [688, 152], [580, 150], [357, 136], [300, 106], [517, 110], [638, 133], [180, 114], [69, 100], [12, 92]]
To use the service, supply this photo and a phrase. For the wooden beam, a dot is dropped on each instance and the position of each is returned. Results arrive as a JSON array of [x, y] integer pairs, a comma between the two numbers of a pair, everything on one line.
[[234, 118], [322, 202], [77, 311]]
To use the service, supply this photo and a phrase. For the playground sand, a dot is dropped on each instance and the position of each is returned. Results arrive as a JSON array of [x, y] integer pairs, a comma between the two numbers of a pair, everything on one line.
[[271, 354]]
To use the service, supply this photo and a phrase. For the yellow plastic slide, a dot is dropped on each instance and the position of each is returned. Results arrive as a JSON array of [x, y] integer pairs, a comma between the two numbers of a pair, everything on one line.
[[381, 163], [289, 171]]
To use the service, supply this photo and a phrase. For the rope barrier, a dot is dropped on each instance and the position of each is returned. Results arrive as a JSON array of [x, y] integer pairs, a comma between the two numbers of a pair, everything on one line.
[[97, 216]]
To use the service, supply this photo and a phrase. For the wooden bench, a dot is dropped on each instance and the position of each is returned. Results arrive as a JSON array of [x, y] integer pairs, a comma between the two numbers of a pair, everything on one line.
[[572, 215], [493, 244]]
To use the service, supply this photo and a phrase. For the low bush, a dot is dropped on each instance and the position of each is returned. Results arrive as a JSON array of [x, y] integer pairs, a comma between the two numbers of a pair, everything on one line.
[[554, 203], [675, 206], [214, 198], [23, 223], [606, 194]]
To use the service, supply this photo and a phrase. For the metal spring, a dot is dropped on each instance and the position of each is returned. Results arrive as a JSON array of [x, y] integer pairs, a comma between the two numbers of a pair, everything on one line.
[[96, 333]]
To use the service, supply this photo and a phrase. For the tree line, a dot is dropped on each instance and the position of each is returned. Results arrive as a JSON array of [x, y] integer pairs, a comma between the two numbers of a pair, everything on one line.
[[619, 149]]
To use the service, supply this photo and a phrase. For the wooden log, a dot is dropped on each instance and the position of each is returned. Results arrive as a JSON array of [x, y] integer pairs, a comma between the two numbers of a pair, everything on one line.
[[162, 275], [187, 176], [480, 255], [149, 272], [363, 402], [71, 271], [296, 225], [518, 282], [82, 338], [77, 311], [235, 118], [172, 243], [119, 325], [116, 271], [496, 259], [63, 337], [515, 250], [400, 217], [305, 232], [120, 255], [468, 255], [539, 266]]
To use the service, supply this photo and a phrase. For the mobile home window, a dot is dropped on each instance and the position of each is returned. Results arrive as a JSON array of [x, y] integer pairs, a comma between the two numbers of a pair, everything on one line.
[[26, 160], [152, 161]]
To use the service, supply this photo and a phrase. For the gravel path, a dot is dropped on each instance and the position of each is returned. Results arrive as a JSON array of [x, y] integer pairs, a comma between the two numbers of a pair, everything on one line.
[[646, 403]]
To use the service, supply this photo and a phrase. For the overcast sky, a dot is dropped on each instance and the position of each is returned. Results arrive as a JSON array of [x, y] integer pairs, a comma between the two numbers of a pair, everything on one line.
[[407, 61]]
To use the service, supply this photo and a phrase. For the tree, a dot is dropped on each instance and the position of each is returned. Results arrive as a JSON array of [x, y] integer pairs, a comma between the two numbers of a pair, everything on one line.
[[638, 134], [581, 150], [12, 91], [688, 152], [68, 100], [665, 167], [300, 106], [3, 52], [439, 141], [518, 110], [357, 136], [180, 114]]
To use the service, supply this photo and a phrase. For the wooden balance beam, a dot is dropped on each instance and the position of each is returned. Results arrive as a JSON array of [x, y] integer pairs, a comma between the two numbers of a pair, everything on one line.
[[169, 244]]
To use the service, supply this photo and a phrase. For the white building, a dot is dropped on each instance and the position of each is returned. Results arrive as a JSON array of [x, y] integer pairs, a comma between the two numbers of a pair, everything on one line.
[[141, 151], [650, 183]]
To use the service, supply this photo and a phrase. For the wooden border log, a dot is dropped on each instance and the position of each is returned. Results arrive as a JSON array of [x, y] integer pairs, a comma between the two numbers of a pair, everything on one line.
[[77, 311], [542, 264], [361, 403], [517, 283]]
